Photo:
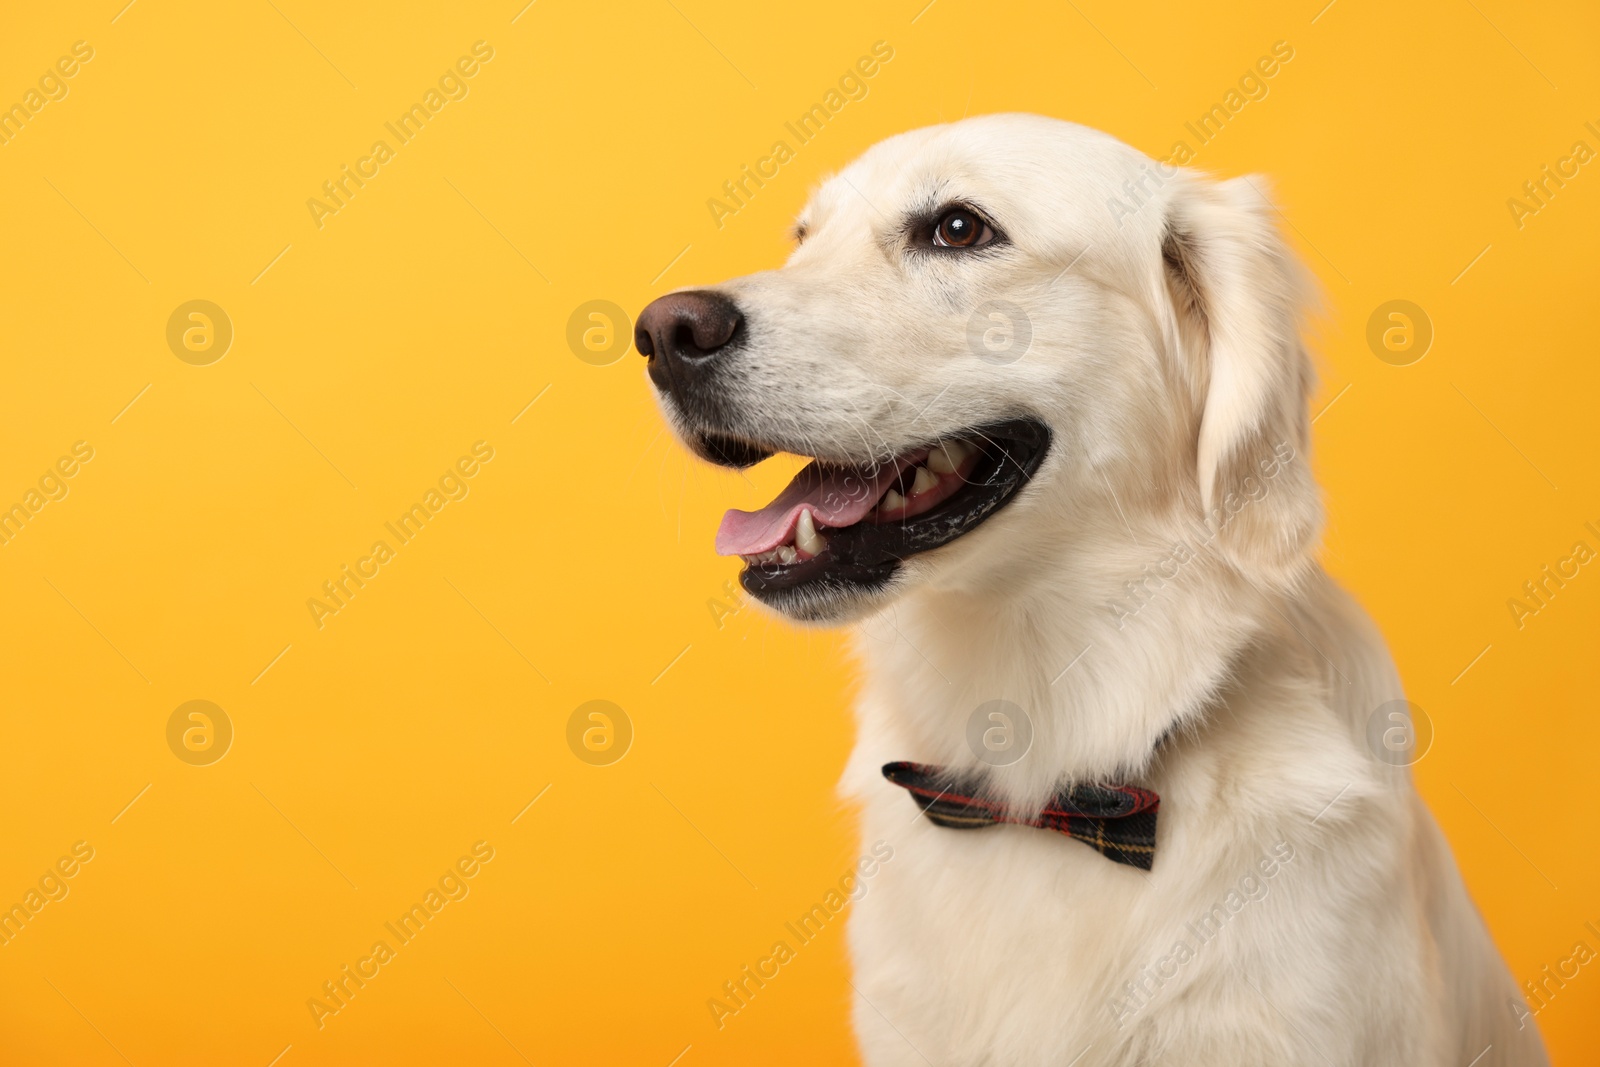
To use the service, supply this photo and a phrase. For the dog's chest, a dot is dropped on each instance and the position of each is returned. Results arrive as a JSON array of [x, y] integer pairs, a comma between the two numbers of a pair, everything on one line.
[[1000, 928], [1013, 945]]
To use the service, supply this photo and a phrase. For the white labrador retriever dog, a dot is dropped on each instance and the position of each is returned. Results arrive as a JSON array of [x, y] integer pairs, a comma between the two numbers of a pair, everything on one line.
[[1056, 395]]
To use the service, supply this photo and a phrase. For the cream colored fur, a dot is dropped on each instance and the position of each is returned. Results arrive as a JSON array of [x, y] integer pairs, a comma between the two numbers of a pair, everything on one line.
[[1166, 355]]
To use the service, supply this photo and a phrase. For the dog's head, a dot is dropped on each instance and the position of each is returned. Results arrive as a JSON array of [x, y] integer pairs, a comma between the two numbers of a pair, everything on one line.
[[990, 335]]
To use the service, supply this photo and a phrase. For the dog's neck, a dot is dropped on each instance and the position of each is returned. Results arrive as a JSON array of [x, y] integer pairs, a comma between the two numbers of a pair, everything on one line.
[[1101, 681]]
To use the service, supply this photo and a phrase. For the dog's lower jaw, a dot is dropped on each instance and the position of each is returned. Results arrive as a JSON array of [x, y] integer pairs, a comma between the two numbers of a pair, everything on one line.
[[835, 603]]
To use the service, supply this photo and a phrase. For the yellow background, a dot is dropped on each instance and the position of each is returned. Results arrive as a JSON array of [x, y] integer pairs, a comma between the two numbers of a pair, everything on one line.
[[433, 308]]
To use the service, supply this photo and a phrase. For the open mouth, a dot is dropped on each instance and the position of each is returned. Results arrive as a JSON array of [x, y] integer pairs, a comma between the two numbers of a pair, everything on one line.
[[851, 526]]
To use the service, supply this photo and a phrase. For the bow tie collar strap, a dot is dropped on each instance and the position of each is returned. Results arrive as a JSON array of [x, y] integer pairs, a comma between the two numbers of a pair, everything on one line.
[[1118, 821]]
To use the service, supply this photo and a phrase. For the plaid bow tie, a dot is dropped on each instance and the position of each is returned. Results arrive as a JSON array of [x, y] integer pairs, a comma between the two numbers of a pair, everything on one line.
[[1117, 821]]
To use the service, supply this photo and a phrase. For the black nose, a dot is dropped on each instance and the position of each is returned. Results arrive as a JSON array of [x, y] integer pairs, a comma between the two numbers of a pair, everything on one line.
[[681, 334]]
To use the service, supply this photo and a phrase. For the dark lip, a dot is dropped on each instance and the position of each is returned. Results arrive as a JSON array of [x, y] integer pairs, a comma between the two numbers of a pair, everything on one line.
[[727, 451], [865, 556]]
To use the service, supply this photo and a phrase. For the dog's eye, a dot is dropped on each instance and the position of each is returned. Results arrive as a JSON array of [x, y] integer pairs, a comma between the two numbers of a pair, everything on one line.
[[961, 228]]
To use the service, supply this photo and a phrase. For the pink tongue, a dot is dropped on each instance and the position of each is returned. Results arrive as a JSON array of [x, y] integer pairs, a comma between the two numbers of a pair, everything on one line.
[[835, 496]]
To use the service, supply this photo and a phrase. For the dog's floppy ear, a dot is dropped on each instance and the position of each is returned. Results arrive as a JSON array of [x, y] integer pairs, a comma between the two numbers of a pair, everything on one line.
[[1239, 293]]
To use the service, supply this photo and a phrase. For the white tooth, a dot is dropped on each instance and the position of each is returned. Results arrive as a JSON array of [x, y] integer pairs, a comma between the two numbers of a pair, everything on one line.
[[892, 501], [949, 456], [806, 537], [787, 554], [924, 481]]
